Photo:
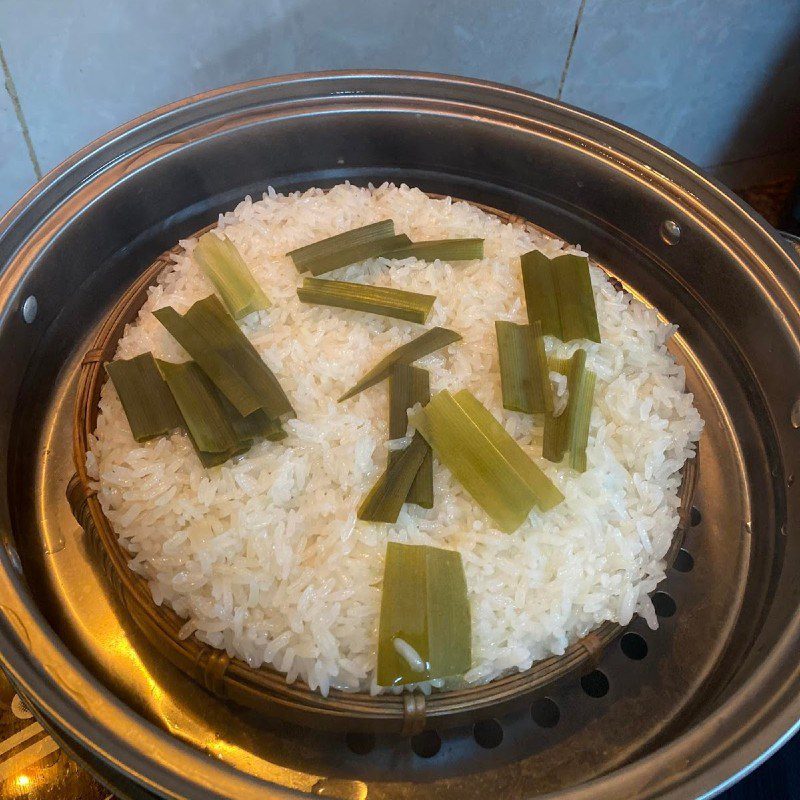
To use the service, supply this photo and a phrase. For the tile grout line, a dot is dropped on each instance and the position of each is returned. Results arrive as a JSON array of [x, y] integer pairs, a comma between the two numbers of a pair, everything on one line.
[[571, 48], [26, 134]]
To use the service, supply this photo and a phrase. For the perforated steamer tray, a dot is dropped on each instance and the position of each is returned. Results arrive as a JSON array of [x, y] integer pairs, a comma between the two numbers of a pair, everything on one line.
[[667, 714]]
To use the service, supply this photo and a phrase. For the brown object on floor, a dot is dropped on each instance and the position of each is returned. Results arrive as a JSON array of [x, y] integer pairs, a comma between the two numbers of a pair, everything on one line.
[[768, 198]]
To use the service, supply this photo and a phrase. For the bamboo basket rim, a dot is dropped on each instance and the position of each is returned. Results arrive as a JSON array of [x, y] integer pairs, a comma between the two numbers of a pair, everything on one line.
[[264, 687]]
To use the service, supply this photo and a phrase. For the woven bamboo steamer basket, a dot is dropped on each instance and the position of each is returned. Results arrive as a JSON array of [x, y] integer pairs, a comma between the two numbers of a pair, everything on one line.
[[265, 688]]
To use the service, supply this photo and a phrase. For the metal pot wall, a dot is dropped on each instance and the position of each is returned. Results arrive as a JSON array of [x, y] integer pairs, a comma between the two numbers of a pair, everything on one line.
[[721, 683]]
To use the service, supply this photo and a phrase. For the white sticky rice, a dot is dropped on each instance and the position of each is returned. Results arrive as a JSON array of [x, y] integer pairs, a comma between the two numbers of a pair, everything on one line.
[[264, 556]]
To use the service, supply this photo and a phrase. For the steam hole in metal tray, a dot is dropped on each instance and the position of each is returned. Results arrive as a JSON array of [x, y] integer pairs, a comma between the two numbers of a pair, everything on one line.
[[664, 605], [684, 561], [595, 684], [545, 713], [426, 744], [488, 733], [633, 646]]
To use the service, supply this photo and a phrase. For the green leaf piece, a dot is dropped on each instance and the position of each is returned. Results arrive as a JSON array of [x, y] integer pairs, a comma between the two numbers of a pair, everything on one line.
[[555, 437], [351, 247], [426, 343], [145, 397], [408, 386], [425, 615], [580, 416], [386, 498], [569, 432], [540, 292], [558, 293], [487, 461], [441, 249], [575, 298], [211, 337], [524, 376], [210, 429], [383, 300], [253, 426], [224, 266]]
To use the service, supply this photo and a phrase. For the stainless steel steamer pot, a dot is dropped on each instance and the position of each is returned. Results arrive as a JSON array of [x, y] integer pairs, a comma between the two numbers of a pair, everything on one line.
[[677, 713]]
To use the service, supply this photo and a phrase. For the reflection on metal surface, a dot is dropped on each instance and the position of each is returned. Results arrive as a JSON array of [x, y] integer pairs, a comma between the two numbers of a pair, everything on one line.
[[796, 414], [21, 630], [670, 231], [27, 758], [19, 737], [342, 790], [32, 765], [30, 308]]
